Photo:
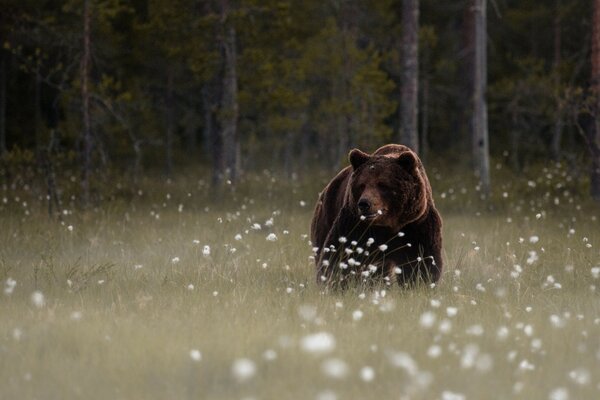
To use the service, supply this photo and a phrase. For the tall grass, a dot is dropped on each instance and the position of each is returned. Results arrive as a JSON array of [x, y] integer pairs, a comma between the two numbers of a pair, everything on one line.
[[128, 292]]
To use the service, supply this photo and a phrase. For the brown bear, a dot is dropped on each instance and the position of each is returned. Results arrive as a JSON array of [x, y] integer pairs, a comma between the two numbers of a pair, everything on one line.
[[377, 220]]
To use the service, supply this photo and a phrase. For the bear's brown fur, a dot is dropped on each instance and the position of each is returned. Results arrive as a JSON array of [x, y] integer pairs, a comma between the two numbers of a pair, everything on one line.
[[377, 219]]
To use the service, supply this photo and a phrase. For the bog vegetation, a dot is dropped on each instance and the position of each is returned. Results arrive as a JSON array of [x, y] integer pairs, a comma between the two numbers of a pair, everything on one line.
[[164, 292], [159, 163]]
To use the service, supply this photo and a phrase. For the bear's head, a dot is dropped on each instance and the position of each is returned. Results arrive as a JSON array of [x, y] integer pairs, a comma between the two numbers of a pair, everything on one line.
[[387, 190]]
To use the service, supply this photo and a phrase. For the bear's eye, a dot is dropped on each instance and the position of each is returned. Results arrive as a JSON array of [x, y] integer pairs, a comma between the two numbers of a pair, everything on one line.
[[383, 187]]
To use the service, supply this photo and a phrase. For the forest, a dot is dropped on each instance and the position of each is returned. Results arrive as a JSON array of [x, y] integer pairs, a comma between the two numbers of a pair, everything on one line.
[[167, 230], [147, 86]]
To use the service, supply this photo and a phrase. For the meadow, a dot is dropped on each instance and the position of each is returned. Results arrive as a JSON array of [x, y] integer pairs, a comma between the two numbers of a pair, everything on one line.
[[165, 290]]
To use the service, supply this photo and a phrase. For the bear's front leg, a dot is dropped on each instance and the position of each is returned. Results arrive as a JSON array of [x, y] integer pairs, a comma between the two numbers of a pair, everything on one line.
[[333, 263]]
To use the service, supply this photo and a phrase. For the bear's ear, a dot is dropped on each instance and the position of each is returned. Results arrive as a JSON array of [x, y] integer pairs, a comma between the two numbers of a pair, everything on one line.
[[408, 161], [358, 158]]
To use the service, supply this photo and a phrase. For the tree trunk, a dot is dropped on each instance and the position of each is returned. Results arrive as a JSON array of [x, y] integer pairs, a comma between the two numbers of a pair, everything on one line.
[[594, 133], [37, 112], [467, 65], [170, 123], [558, 118], [3, 73], [424, 137], [480, 123], [229, 104], [410, 74], [85, 108]]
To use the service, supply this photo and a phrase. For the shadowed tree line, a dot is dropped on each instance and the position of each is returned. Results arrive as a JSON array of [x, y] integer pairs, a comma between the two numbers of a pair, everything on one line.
[[129, 85]]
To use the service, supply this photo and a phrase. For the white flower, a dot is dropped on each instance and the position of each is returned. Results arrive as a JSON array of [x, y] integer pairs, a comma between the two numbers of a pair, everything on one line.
[[557, 321], [595, 272], [357, 315], [400, 234], [581, 376], [9, 286], [370, 241], [560, 393], [271, 237], [256, 227], [335, 368], [451, 311], [434, 351], [270, 355], [37, 299], [243, 369], [190, 287], [367, 374], [342, 239], [317, 343], [76, 315], [534, 239], [195, 355], [383, 247], [448, 395], [269, 222], [238, 237], [427, 319], [175, 260], [206, 251], [533, 257]]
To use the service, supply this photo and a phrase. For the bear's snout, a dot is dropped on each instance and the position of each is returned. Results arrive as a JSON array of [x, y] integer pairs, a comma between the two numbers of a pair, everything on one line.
[[364, 206]]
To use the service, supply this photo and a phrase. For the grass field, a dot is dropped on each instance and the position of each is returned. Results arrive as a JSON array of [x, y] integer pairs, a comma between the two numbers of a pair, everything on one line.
[[164, 292]]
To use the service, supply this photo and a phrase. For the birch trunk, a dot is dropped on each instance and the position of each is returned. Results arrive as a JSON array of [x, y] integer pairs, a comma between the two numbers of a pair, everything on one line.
[[480, 122]]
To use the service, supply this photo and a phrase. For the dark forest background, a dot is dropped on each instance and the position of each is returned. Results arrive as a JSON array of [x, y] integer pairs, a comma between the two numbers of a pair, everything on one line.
[[139, 86]]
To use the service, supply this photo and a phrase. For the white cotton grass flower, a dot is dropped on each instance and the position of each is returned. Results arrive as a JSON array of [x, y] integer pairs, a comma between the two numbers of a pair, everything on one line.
[[76, 316], [533, 257], [534, 239], [427, 319], [190, 287], [448, 395], [271, 237], [238, 237], [342, 239], [270, 355], [318, 343], [403, 361], [9, 286], [357, 315], [367, 374], [243, 369], [595, 272], [434, 351], [175, 260], [206, 250], [580, 376], [560, 393], [195, 355], [335, 368], [383, 247], [326, 395], [451, 311], [38, 299]]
